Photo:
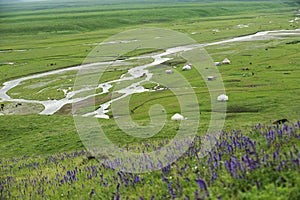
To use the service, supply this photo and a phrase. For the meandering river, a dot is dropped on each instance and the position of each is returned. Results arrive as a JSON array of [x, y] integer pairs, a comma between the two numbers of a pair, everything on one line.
[[52, 106]]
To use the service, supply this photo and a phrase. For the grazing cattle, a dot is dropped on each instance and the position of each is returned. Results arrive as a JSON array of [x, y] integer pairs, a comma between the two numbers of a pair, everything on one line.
[[90, 157], [280, 121], [18, 104], [143, 75], [2, 107]]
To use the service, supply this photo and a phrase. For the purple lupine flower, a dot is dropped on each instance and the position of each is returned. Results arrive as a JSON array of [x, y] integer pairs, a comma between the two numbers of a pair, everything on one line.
[[164, 179], [276, 155], [187, 179], [296, 161], [186, 197], [92, 193], [196, 194], [137, 179], [215, 176], [230, 149], [279, 168], [201, 184]]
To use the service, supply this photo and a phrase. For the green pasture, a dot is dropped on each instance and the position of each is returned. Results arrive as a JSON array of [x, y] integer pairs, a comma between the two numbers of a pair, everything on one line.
[[262, 83], [51, 39]]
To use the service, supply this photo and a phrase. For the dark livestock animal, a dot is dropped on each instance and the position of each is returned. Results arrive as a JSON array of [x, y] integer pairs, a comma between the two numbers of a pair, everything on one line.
[[18, 104], [2, 107], [90, 157], [280, 121]]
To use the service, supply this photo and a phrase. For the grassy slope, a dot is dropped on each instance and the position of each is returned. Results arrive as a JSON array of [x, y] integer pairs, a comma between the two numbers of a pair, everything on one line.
[[269, 172], [55, 34], [48, 26], [51, 35]]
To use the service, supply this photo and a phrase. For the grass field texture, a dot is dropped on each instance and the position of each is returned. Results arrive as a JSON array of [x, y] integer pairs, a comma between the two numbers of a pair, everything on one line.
[[42, 157]]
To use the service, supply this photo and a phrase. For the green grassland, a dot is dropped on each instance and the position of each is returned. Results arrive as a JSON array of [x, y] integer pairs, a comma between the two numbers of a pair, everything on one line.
[[253, 98], [59, 36], [49, 35]]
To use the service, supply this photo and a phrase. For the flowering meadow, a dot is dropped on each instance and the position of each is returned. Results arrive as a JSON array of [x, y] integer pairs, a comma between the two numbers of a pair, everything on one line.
[[259, 164]]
